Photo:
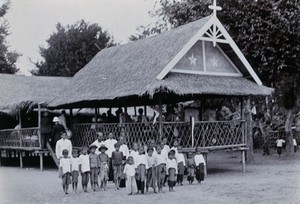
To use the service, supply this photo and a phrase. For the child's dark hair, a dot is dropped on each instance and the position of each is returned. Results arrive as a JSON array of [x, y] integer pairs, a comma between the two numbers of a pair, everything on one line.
[[129, 157], [117, 144], [150, 149], [65, 151]]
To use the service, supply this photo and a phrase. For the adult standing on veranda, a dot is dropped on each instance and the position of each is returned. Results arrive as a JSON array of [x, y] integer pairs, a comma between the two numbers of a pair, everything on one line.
[[98, 142], [56, 131]]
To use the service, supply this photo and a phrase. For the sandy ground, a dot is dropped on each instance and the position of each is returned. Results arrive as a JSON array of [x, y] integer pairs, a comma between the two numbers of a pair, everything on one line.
[[269, 180]]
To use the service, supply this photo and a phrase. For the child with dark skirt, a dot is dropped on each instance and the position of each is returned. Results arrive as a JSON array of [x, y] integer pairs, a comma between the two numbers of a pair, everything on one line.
[[74, 170], [190, 163], [160, 168], [94, 166], [104, 161], [171, 166], [65, 170], [84, 168], [200, 165], [141, 164], [117, 163], [181, 165], [151, 171]]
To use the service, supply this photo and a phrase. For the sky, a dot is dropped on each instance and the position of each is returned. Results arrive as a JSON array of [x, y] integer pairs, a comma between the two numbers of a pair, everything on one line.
[[31, 22]]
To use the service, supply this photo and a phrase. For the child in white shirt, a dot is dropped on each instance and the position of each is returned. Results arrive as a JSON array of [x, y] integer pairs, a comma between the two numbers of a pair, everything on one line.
[[279, 143], [141, 164], [200, 165], [65, 170], [160, 168], [129, 171], [171, 166], [74, 170], [84, 168], [181, 164]]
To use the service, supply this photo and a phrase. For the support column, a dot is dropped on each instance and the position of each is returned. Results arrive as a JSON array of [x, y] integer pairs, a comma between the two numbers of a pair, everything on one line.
[[39, 125], [0, 157], [41, 162], [145, 110], [160, 117], [71, 117], [243, 161], [249, 137], [21, 159]]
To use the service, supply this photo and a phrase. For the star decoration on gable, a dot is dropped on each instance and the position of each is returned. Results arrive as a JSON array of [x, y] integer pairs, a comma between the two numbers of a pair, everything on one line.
[[215, 61], [192, 60]]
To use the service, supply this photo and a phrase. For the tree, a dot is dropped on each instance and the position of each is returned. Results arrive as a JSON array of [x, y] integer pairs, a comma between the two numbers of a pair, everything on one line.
[[70, 48], [267, 32], [7, 59]]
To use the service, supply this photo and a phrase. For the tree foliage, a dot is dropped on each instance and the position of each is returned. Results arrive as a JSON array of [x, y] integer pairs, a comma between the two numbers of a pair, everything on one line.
[[7, 59], [70, 48]]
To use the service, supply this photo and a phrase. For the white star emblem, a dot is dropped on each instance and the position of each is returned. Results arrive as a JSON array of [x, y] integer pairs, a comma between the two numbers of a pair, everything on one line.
[[215, 61], [192, 60]]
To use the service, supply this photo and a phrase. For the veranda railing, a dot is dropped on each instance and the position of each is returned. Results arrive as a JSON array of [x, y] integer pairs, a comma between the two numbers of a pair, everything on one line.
[[206, 134], [20, 138]]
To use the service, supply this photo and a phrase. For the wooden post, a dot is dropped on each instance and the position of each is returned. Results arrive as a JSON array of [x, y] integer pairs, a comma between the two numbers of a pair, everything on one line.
[[160, 117], [71, 117], [145, 110], [243, 161], [134, 110], [21, 159], [20, 121], [41, 162], [0, 157], [39, 125], [249, 137]]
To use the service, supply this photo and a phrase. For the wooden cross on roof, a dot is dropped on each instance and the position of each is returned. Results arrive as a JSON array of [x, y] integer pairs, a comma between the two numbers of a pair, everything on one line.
[[215, 8]]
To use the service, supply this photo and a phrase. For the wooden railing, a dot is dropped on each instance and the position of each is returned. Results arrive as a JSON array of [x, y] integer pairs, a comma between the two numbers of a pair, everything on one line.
[[206, 134], [20, 138]]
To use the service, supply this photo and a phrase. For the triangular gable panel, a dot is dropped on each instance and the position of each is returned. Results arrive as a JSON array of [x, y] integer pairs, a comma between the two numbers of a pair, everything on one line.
[[204, 58], [212, 32]]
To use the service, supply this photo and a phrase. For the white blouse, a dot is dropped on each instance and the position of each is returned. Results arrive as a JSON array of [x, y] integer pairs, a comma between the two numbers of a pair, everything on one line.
[[171, 164], [141, 159], [199, 159]]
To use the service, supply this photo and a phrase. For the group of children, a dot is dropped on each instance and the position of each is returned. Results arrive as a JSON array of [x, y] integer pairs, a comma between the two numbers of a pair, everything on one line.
[[146, 167]]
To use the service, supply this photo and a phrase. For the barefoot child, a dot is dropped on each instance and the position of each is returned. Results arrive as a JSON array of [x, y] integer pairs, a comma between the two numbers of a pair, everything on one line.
[[104, 159], [65, 170], [84, 168], [181, 165], [117, 158], [160, 168], [200, 165], [129, 171], [74, 170], [279, 144], [151, 171], [141, 164], [171, 166], [191, 167], [94, 166]]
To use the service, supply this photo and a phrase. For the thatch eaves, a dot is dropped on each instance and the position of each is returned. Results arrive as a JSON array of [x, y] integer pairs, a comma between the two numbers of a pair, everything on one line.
[[23, 91]]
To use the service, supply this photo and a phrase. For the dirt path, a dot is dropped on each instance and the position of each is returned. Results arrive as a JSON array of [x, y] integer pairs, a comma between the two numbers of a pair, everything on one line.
[[270, 180]]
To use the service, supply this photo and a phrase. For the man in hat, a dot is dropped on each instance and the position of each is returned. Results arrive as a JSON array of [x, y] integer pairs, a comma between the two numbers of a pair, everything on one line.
[[98, 142], [62, 144], [104, 161], [94, 166], [56, 132]]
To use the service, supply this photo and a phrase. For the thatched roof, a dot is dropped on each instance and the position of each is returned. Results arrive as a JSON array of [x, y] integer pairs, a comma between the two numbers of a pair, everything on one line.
[[21, 91], [131, 70]]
